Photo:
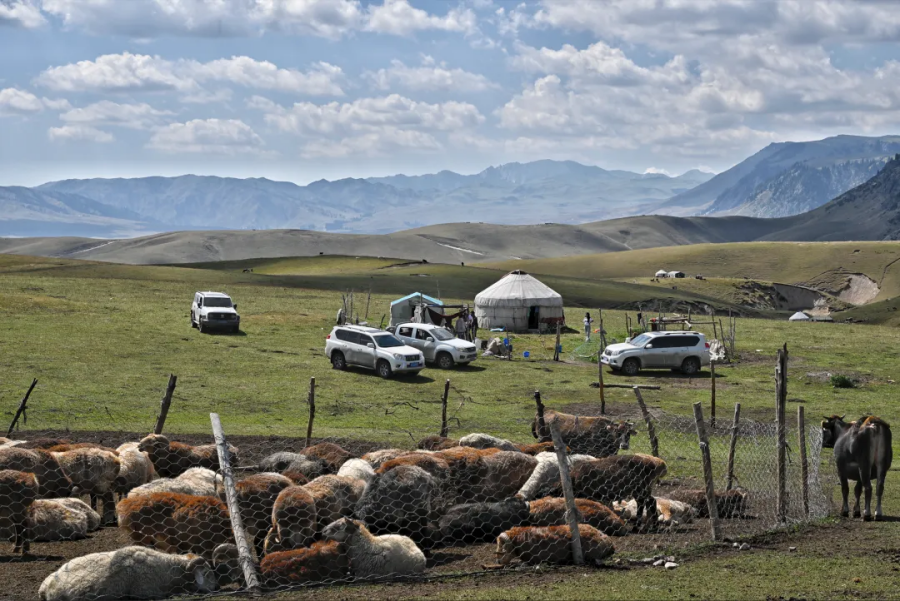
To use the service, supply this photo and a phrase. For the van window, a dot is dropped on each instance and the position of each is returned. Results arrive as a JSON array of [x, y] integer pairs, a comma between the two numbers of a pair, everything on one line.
[[664, 342], [407, 331], [364, 340], [347, 336]]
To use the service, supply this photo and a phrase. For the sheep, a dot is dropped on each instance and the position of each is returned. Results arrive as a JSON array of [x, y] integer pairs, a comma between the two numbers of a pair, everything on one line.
[[294, 520], [324, 560], [296, 477], [256, 496], [482, 522], [507, 472], [730, 503], [404, 500], [135, 468], [176, 523], [536, 448], [171, 459], [551, 511], [486, 441], [610, 479], [286, 462], [437, 443], [52, 481], [357, 468], [71, 446], [335, 497], [333, 455], [671, 512], [128, 573], [598, 436], [18, 490], [373, 556], [43, 443], [435, 466], [378, 458], [467, 471], [94, 471], [544, 479], [197, 481], [551, 544], [60, 519], [6, 443]]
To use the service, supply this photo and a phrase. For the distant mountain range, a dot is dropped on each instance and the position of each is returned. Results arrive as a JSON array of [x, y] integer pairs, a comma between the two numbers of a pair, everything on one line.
[[541, 191]]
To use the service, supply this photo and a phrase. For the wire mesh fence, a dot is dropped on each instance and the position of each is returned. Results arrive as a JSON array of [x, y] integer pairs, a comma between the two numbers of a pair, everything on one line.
[[230, 513]]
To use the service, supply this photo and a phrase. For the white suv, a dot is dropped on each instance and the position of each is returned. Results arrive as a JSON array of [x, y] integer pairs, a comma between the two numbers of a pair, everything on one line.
[[214, 310], [687, 352], [371, 348], [437, 344]]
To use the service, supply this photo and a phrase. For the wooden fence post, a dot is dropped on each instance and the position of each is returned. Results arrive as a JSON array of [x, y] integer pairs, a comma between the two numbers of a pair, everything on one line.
[[651, 430], [707, 471], [600, 382], [21, 408], [781, 442], [804, 464], [245, 555], [556, 348], [543, 434], [712, 395], [568, 492], [445, 430], [312, 410], [731, 449], [164, 405]]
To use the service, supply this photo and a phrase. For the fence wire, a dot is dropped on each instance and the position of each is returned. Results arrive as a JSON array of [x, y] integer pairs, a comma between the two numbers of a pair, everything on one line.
[[345, 509]]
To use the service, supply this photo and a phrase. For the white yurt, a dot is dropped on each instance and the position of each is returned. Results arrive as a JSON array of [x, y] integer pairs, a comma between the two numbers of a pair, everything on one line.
[[799, 316], [518, 303], [662, 273]]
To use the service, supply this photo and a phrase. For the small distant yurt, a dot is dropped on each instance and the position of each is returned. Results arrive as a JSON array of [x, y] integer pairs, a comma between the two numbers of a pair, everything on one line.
[[676, 274], [799, 316], [518, 303], [662, 273], [404, 310]]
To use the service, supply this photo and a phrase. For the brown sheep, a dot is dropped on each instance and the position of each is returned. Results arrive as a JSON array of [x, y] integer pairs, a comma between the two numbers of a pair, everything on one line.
[[176, 523], [71, 446], [432, 464], [467, 473], [93, 471], [43, 443], [551, 544], [52, 481], [256, 497], [18, 491], [324, 560], [296, 477], [551, 511], [294, 521], [335, 497], [539, 447], [437, 443], [377, 458], [597, 436], [507, 471], [610, 479], [333, 455], [171, 459], [729, 503]]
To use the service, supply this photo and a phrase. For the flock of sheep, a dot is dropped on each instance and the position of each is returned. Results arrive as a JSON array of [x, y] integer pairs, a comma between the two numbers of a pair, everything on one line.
[[323, 514]]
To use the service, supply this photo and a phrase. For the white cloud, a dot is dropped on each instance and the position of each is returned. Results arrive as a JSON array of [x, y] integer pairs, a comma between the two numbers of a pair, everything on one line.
[[137, 72], [429, 77], [105, 112], [387, 140], [79, 133], [657, 171], [19, 102], [397, 17], [21, 13], [212, 136]]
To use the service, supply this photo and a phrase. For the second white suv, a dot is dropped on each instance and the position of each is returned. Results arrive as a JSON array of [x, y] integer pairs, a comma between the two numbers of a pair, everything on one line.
[[437, 344], [214, 310], [372, 348], [687, 352]]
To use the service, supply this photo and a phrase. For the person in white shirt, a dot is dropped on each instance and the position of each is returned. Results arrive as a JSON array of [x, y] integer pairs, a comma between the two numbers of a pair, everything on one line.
[[587, 327]]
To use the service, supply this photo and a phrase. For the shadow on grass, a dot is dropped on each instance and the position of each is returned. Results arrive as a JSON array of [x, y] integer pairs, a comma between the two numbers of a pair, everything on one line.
[[667, 375]]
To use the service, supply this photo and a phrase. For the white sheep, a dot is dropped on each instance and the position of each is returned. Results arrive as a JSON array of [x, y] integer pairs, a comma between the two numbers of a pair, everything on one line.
[[671, 512], [197, 481], [128, 573], [358, 468], [62, 519], [135, 468], [546, 475], [372, 556], [381, 456], [486, 441]]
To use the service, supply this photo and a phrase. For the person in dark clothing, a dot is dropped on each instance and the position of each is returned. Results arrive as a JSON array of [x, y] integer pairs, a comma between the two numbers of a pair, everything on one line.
[[474, 327]]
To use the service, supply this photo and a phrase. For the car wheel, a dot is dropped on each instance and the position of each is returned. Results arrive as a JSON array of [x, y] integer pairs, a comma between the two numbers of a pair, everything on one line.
[[235, 329], [631, 367], [384, 369], [690, 366], [201, 327], [445, 361], [337, 361], [193, 323]]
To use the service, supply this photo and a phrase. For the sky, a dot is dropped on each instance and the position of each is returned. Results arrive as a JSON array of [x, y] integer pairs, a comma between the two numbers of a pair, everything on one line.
[[302, 90]]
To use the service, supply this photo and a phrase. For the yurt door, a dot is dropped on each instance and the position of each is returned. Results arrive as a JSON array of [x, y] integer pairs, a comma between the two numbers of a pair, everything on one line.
[[534, 318]]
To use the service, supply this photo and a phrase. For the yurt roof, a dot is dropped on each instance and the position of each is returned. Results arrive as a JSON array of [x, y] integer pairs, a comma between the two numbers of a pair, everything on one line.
[[518, 289], [799, 316], [418, 295]]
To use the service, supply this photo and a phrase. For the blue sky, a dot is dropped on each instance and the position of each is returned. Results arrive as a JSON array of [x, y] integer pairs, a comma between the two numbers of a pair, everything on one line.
[[302, 90]]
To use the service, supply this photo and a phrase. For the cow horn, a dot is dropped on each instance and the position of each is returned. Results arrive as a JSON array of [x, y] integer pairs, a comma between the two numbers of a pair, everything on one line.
[[842, 417]]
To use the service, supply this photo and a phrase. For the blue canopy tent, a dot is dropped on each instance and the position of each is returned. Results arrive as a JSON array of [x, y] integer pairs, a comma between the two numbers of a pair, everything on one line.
[[404, 309]]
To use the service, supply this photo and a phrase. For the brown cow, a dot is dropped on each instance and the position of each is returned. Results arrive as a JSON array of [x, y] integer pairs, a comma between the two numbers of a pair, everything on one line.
[[597, 436], [862, 452]]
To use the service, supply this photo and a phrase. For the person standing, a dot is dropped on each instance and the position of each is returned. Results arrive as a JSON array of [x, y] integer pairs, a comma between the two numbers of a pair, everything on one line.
[[474, 327], [461, 326], [587, 326]]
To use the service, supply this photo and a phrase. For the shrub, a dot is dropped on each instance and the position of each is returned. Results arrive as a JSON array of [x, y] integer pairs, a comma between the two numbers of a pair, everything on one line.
[[841, 381]]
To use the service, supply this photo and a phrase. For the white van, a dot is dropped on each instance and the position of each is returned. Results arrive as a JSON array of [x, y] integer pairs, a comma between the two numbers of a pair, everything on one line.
[[373, 349], [437, 344]]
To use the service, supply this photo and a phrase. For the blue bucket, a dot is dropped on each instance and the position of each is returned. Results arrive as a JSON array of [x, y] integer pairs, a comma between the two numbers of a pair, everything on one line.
[[526, 354]]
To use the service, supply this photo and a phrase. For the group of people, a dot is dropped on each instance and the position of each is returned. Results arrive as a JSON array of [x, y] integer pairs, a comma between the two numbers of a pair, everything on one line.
[[466, 327]]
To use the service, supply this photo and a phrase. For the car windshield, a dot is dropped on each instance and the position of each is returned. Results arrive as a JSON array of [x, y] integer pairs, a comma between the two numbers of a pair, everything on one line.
[[641, 340], [216, 302], [442, 334], [387, 341]]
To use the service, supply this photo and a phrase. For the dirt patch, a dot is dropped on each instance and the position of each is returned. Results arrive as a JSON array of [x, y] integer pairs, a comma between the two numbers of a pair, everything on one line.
[[860, 290]]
